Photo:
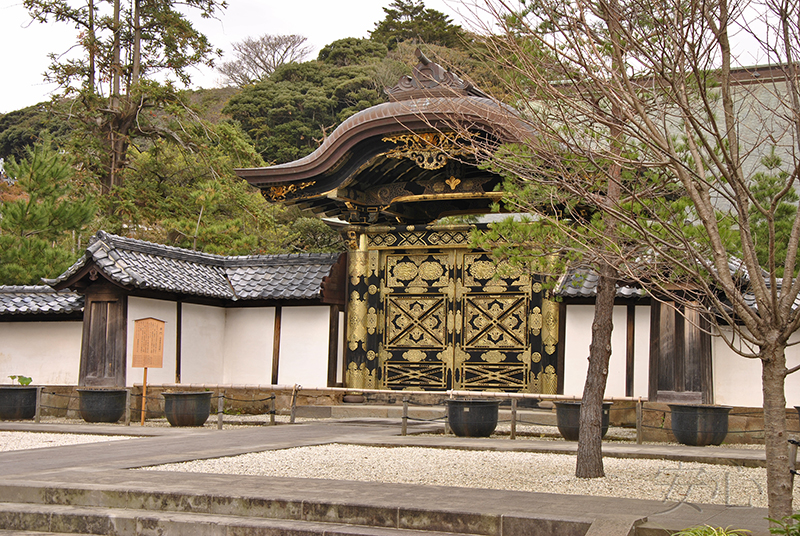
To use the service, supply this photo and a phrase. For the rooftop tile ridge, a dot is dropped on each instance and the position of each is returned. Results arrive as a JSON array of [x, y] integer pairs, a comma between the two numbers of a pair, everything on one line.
[[31, 289], [161, 250], [280, 259]]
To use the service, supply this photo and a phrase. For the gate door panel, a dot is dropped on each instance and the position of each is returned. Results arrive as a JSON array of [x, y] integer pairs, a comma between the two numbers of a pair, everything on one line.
[[417, 320], [449, 323], [495, 336]]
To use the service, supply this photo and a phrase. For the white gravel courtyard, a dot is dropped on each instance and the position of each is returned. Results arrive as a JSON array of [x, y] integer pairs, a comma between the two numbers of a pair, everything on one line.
[[520, 471]]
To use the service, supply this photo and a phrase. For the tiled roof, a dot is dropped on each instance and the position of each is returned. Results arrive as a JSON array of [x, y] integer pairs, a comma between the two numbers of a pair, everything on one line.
[[145, 265], [582, 283], [27, 300]]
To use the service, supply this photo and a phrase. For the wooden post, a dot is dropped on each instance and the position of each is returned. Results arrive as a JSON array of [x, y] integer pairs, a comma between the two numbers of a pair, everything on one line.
[[639, 418], [38, 404], [405, 416], [513, 434], [127, 407], [294, 403], [144, 395], [220, 407]]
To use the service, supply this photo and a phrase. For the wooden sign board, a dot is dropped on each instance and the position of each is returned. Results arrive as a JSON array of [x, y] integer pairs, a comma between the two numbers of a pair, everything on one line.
[[148, 343]]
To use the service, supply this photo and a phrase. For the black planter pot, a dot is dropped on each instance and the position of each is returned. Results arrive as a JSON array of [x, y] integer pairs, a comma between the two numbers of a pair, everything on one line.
[[17, 402], [568, 419], [102, 405], [699, 425], [472, 418], [187, 408]]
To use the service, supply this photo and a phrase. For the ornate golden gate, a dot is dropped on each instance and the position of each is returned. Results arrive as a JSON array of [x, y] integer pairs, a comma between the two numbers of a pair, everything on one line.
[[437, 318]]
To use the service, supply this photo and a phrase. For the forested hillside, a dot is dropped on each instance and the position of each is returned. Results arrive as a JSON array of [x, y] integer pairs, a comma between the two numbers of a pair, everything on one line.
[[148, 160]]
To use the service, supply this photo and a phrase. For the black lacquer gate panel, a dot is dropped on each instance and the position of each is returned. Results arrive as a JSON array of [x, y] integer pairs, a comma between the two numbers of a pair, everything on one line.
[[447, 322]]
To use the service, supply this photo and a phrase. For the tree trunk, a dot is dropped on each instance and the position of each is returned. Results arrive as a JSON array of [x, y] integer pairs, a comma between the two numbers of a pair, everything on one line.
[[137, 44], [92, 49], [590, 446], [779, 479]]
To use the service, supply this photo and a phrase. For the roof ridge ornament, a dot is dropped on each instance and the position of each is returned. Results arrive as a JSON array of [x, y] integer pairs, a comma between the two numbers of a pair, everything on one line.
[[429, 79]]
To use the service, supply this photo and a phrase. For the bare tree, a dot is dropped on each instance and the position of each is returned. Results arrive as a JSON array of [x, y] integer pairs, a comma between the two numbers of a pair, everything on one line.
[[644, 96], [257, 58]]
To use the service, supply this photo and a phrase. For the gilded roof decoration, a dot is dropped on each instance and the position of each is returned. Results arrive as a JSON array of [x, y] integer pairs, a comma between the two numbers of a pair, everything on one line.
[[429, 150]]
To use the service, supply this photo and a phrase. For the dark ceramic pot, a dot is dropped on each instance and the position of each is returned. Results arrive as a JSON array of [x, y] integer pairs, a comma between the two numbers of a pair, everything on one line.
[[187, 408], [568, 419], [102, 405], [17, 402], [472, 418], [699, 425]]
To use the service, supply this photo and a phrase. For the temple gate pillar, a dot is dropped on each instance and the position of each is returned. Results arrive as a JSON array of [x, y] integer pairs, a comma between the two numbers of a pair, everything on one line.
[[362, 316]]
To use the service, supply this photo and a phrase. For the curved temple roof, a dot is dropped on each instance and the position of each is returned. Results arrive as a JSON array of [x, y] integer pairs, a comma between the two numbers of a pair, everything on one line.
[[410, 160]]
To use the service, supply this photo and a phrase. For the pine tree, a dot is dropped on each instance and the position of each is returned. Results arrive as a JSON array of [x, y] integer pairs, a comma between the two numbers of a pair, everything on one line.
[[38, 229]]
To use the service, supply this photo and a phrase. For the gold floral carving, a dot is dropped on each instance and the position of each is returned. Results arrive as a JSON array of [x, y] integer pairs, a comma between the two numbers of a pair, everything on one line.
[[279, 193], [548, 381], [446, 357], [537, 287], [536, 321], [431, 271], [493, 356], [360, 377], [372, 289], [482, 270], [372, 320], [428, 150], [536, 357], [357, 267], [417, 271], [371, 355], [550, 326], [415, 356], [357, 329], [373, 264], [452, 182], [405, 271]]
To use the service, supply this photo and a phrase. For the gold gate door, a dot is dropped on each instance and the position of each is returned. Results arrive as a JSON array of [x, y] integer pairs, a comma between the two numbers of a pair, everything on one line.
[[448, 323]]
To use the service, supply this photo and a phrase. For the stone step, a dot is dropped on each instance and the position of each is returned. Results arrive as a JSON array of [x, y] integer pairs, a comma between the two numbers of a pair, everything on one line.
[[38, 533], [26, 518], [102, 509]]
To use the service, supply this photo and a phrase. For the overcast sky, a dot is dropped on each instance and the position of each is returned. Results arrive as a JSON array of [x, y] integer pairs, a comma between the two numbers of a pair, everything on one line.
[[24, 46]]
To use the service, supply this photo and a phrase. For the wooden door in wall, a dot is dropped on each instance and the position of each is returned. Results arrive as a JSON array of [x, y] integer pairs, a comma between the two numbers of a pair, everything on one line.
[[680, 355], [448, 323], [103, 350]]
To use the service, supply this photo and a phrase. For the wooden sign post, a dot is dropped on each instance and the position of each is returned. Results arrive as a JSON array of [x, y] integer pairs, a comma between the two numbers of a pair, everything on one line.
[[148, 349]]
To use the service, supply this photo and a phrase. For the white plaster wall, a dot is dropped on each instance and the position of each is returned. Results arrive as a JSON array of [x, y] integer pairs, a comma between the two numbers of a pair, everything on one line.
[[167, 311], [248, 346], [578, 337], [203, 344], [641, 352], [304, 346], [737, 380], [47, 352]]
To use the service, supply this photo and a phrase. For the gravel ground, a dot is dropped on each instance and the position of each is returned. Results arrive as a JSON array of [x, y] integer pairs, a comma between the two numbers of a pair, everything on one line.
[[643, 479], [38, 440], [520, 471]]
